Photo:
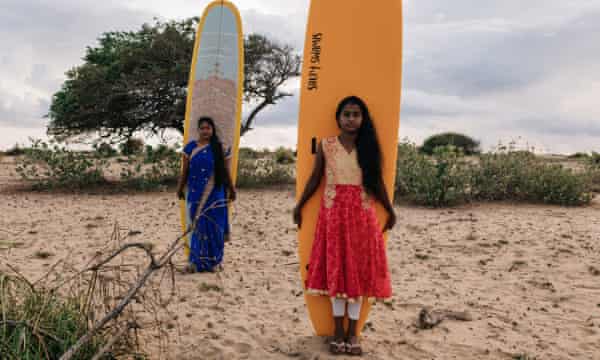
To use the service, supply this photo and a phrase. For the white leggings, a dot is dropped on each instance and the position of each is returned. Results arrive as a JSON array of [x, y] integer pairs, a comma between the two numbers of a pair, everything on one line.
[[339, 308]]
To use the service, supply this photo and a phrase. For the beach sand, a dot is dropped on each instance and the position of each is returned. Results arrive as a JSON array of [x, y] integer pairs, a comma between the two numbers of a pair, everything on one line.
[[529, 275]]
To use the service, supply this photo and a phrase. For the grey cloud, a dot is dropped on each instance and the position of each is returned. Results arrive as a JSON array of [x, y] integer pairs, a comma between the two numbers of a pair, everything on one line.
[[285, 29], [474, 63], [44, 39], [553, 125], [23, 113], [284, 113]]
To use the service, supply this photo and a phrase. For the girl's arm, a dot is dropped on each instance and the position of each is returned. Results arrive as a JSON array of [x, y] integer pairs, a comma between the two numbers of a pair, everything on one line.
[[230, 186], [312, 185], [185, 167], [383, 197]]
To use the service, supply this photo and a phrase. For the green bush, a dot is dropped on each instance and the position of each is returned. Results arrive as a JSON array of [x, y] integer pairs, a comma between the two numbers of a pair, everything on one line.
[[467, 145], [162, 167], [263, 172], [554, 184], [578, 155], [160, 153], [594, 176], [502, 176], [441, 180], [16, 150], [132, 147], [248, 153], [50, 165], [520, 175], [595, 159], [284, 156], [446, 178], [105, 150]]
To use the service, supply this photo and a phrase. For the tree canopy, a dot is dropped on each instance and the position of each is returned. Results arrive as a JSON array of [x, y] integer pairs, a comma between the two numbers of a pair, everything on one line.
[[137, 81]]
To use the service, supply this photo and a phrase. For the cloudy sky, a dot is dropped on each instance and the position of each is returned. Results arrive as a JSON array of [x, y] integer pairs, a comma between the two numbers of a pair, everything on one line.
[[497, 70]]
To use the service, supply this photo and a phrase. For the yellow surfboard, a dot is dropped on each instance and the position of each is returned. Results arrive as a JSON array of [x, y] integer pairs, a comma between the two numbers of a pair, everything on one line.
[[352, 47], [216, 81]]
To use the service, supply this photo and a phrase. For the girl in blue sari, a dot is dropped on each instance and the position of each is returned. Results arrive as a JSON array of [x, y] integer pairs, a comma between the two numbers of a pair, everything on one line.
[[205, 172]]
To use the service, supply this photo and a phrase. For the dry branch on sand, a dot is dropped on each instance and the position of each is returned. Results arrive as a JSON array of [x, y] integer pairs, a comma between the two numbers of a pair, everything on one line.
[[115, 297]]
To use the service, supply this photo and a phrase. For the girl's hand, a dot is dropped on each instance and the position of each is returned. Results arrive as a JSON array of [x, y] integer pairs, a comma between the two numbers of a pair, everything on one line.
[[391, 221], [232, 194], [180, 194], [297, 216]]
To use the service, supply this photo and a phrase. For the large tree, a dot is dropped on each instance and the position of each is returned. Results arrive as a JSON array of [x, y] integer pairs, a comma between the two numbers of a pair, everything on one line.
[[137, 81]]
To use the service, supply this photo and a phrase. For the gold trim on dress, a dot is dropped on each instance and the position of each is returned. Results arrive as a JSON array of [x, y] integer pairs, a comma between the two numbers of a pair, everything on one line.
[[370, 299]]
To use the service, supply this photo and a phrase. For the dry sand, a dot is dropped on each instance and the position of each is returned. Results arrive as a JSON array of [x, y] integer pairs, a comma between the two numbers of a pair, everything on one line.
[[528, 274]]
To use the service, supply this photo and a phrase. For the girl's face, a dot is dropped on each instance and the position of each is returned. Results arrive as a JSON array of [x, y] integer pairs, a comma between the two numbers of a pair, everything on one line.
[[205, 131], [350, 118]]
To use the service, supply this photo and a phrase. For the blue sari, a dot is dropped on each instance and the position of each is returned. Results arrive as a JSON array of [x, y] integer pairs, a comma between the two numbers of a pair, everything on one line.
[[206, 205]]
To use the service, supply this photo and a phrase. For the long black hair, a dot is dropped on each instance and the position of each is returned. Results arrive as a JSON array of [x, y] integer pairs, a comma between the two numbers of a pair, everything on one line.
[[217, 150], [367, 146]]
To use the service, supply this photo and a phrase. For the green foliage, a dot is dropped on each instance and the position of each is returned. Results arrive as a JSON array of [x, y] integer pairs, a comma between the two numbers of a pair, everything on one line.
[[159, 168], [131, 147], [503, 176], [40, 325], [16, 150], [441, 180], [578, 155], [284, 156], [446, 178], [248, 153], [158, 154], [594, 176], [48, 165], [263, 172], [137, 80], [105, 150], [131, 81], [554, 184], [467, 145], [595, 159], [519, 175]]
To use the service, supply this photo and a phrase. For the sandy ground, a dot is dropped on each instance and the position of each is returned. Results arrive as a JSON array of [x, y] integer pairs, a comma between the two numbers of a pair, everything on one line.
[[528, 274]]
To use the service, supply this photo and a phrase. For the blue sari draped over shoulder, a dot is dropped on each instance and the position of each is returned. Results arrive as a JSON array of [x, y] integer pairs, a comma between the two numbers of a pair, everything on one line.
[[205, 204]]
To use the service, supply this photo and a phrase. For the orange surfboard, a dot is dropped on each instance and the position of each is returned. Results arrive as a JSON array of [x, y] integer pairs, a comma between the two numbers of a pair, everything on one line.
[[352, 47]]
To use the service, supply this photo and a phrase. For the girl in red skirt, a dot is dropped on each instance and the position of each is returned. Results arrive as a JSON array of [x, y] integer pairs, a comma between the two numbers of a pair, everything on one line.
[[348, 261]]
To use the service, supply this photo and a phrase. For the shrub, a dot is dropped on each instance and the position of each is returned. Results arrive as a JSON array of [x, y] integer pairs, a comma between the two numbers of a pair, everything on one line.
[[446, 178], [578, 155], [105, 150], [519, 175], [263, 172], [248, 153], [595, 158], [284, 156], [502, 176], [132, 147], [16, 150], [467, 145], [50, 165], [441, 180], [554, 184], [160, 153], [159, 168]]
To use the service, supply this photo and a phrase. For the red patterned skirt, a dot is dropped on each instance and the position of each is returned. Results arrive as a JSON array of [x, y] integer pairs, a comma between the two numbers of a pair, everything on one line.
[[348, 257]]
